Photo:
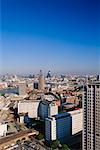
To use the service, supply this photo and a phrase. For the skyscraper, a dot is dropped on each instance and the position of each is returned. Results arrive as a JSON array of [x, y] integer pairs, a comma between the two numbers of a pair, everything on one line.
[[58, 127], [91, 116], [98, 77], [47, 108], [41, 81], [49, 74]]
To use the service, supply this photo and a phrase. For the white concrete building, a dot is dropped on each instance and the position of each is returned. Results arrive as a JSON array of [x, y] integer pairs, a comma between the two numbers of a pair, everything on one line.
[[3, 85], [50, 130], [30, 86], [30, 107], [77, 121], [21, 118], [52, 109], [3, 129], [2, 102]]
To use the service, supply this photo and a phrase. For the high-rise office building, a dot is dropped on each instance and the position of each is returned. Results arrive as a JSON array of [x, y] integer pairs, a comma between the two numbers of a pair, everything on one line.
[[50, 129], [49, 74], [41, 81], [63, 126], [57, 127], [91, 116], [47, 108], [98, 77], [36, 85]]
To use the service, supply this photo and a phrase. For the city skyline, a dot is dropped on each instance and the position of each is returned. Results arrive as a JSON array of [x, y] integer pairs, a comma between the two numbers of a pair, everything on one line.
[[61, 36]]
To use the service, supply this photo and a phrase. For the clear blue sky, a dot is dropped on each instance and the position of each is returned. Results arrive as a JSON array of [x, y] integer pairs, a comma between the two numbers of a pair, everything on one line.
[[58, 35]]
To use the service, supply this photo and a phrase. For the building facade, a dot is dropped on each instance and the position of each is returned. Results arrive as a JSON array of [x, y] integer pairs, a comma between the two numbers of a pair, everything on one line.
[[30, 107], [50, 130], [77, 121], [63, 126], [91, 116], [57, 127], [47, 108], [3, 129]]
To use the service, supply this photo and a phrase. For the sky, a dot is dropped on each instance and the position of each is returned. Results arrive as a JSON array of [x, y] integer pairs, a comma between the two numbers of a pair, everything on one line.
[[58, 35]]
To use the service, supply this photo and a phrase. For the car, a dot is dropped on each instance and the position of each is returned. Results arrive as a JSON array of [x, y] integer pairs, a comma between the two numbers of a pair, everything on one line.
[[32, 145], [27, 142]]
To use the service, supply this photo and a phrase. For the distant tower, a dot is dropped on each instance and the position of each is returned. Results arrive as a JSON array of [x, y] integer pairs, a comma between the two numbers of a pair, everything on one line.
[[22, 88], [49, 74], [98, 77], [36, 85], [41, 81]]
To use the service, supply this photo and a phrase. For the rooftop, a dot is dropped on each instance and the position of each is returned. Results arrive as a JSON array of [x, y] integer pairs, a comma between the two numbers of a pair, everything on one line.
[[94, 83]]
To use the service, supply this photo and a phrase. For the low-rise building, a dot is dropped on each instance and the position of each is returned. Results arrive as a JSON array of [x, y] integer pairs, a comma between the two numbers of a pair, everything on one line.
[[30, 107], [3, 85], [3, 129]]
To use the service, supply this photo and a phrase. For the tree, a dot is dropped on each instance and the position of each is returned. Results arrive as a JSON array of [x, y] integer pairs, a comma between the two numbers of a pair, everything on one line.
[[64, 147], [40, 136], [55, 144], [2, 94]]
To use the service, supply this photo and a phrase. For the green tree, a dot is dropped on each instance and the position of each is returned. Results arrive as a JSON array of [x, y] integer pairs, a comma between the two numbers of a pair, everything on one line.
[[2, 94], [40, 136], [64, 147], [55, 144]]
